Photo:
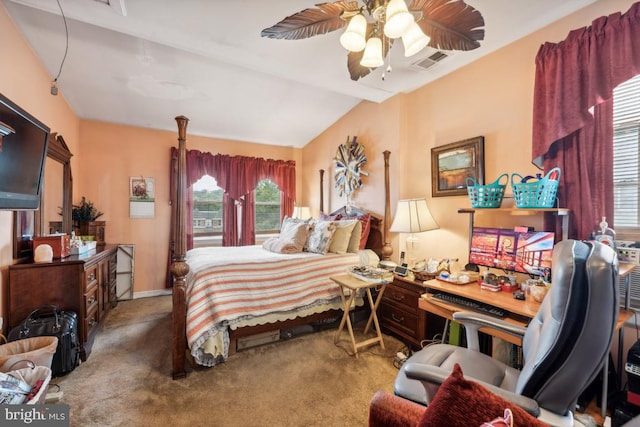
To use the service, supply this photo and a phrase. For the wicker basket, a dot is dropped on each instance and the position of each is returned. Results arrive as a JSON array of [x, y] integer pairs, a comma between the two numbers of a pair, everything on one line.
[[423, 275], [536, 194], [486, 196]]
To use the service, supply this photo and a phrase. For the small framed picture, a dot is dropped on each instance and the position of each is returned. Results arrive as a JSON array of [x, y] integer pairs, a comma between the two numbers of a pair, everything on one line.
[[452, 164]]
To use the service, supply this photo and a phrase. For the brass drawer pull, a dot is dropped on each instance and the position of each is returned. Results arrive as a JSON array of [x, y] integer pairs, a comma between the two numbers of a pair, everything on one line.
[[91, 277], [91, 300], [398, 297], [92, 323], [396, 318]]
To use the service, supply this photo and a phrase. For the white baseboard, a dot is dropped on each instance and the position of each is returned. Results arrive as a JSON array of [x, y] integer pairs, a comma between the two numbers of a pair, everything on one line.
[[146, 294]]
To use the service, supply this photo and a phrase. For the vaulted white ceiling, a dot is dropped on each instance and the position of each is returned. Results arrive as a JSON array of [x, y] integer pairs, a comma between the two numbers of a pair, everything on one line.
[[143, 62]]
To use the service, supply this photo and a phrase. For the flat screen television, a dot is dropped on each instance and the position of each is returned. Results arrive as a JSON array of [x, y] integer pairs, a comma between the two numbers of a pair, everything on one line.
[[22, 157], [522, 252]]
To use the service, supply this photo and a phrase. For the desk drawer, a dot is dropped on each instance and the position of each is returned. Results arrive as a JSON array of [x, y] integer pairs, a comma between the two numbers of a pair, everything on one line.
[[399, 321], [404, 299]]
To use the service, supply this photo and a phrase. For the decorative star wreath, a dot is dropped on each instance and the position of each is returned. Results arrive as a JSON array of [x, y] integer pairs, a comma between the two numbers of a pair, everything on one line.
[[350, 160]]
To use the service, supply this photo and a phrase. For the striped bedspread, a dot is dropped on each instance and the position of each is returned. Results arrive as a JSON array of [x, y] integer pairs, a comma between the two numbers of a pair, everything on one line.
[[231, 284]]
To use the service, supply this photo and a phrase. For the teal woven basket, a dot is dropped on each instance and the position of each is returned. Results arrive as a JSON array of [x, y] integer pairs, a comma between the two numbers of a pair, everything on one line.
[[540, 193], [486, 196]]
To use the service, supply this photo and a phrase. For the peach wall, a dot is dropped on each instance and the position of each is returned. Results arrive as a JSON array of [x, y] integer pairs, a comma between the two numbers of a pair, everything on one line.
[[112, 153], [24, 80]]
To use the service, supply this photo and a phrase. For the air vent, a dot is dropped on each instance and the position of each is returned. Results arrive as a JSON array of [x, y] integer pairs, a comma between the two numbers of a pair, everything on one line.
[[430, 61]]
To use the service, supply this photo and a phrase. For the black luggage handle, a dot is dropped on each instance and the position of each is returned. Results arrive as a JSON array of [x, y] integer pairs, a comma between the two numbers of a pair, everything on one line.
[[31, 317]]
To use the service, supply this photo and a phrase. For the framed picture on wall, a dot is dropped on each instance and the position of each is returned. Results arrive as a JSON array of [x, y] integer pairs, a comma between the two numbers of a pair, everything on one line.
[[453, 163]]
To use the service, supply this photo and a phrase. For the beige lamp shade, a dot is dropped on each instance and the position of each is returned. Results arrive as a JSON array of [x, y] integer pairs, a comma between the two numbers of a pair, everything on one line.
[[413, 216], [301, 212]]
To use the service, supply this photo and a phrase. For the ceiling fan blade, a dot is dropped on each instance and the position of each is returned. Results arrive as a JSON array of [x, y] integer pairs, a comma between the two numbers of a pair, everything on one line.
[[312, 21], [356, 71], [451, 24]]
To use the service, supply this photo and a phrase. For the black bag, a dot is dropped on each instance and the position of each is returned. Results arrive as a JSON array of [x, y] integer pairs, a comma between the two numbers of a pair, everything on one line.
[[49, 320]]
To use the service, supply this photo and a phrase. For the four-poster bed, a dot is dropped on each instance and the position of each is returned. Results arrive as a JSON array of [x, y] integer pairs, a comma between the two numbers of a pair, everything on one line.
[[198, 279]]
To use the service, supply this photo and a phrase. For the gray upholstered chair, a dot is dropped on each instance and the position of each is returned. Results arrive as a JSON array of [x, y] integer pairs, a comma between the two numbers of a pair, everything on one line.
[[564, 346]]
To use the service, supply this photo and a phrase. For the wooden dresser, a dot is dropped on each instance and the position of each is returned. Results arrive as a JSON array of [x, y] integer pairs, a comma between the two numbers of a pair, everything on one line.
[[399, 313], [85, 284]]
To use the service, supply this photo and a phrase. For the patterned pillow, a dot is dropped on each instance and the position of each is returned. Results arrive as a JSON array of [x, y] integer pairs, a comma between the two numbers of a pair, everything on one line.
[[321, 236]]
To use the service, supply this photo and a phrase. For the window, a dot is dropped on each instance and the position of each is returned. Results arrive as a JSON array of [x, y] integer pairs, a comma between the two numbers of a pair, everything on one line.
[[626, 149], [207, 213], [267, 207]]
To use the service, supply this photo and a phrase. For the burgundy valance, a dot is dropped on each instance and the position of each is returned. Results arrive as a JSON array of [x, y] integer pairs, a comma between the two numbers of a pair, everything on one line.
[[581, 72], [239, 175]]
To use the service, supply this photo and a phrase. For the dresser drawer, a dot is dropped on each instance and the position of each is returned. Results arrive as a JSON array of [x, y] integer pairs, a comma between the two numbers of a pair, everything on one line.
[[91, 321], [91, 299], [399, 321], [405, 299], [91, 277]]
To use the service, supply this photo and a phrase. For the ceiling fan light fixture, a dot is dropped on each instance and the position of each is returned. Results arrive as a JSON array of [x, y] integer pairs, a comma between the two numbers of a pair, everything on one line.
[[372, 56], [353, 39], [414, 40], [398, 19]]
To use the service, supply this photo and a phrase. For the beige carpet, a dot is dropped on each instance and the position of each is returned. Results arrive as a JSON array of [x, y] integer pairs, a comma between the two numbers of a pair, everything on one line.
[[303, 381]]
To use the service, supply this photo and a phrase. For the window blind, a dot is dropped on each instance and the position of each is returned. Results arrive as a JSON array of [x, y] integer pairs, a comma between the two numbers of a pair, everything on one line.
[[626, 149]]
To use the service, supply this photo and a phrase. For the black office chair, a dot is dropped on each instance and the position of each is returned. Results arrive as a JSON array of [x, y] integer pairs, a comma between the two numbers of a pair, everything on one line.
[[564, 347]]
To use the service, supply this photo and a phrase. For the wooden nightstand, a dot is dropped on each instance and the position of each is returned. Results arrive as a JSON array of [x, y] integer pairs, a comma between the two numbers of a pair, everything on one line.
[[400, 316]]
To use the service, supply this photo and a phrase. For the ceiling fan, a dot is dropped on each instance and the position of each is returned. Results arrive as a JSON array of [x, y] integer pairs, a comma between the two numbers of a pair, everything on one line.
[[373, 27]]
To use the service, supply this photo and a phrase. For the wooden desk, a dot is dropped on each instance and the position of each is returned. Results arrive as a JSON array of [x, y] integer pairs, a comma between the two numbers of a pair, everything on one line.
[[522, 311], [347, 281]]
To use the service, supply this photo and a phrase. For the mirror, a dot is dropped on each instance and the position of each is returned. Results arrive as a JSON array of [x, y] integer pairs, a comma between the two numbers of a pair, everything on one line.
[[57, 194]]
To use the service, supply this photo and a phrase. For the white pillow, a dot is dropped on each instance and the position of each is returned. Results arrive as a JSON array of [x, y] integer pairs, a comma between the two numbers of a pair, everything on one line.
[[342, 236], [295, 234]]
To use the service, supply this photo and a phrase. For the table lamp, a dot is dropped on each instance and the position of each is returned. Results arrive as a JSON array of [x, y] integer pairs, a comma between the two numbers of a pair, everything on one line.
[[412, 216], [301, 212]]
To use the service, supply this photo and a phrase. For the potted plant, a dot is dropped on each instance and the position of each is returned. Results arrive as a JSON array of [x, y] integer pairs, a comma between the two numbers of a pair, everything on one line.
[[84, 217]]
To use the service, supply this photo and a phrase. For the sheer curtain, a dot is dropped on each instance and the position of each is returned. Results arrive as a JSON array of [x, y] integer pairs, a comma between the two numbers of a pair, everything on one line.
[[573, 112]]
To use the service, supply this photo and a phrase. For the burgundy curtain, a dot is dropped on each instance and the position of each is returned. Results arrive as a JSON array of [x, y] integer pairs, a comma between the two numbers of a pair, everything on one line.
[[572, 112], [229, 221], [248, 235]]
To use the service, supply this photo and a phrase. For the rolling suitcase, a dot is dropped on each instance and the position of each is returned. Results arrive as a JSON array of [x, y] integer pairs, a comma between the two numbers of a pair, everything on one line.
[[49, 320]]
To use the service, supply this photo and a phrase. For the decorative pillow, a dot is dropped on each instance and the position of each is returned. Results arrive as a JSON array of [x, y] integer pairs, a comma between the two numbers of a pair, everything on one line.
[[342, 236], [365, 219], [356, 236], [462, 403], [295, 233], [289, 220], [324, 217], [320, 238]]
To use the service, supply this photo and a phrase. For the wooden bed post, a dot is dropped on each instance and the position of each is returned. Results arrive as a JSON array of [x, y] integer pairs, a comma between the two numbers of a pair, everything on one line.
[[387, 249], [321, 190], [179, 268]]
